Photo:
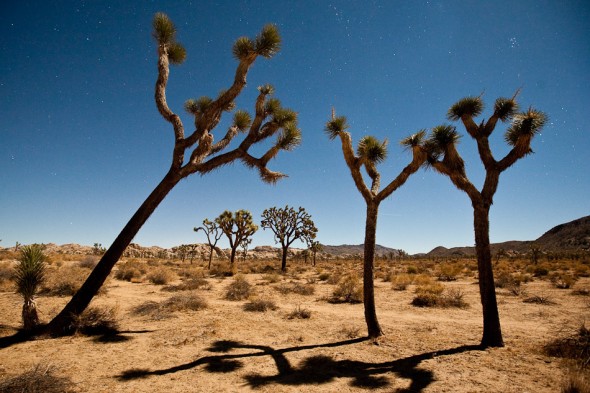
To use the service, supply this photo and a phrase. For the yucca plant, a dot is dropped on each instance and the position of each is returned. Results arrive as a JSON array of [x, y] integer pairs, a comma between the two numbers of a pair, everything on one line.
[[29, 275]]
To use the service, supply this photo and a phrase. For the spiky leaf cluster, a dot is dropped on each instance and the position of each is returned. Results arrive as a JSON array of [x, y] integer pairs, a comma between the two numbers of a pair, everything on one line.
[[267, 89], [272, 106], [30, 271], [335, 126], [283, 116], [268, 42], [468, 106], [414, 140], [372, 150], [289, 138], [242, 120], [527, 123], [197, 106], [165, 34], [505, 108]]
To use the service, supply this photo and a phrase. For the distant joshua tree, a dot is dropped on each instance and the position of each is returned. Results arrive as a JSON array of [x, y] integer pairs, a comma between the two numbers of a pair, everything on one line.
[[30, 274], [315, 247], [238, 227], [445, 159], [371, 152], [197, 152], [289, 225], [213, 233]]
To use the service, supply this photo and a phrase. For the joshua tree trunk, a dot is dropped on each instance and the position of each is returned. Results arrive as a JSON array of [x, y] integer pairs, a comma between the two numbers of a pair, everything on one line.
[[284, 258], [30, 317], [369, 258], [63, 322], [492, 332], [210, 258]]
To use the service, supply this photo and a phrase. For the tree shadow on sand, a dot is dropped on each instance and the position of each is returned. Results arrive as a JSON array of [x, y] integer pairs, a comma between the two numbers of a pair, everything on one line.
[[313, 370]]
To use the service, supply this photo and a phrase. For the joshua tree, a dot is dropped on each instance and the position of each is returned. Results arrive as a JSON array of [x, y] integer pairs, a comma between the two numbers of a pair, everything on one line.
[[29, 275], [213, 233], [315, 247], [445, 159], [238, 227], [288, 225], [244, 245], [370, 152], [196, 152]]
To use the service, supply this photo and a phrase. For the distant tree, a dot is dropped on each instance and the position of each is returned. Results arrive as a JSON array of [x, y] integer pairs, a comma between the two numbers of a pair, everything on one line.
[[237, 227], [445, 159], [288, 225], [98, 249], [197, 152], [244, 245], [29, 275], [213, 233], [371, 152], [315, 247]]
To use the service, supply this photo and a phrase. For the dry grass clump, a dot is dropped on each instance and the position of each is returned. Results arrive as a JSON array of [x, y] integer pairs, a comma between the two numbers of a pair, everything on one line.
[[583, 291], [348, 290], [260, 305], [350, 331], [272, 278], [65, 281], [161, 276], [222, 269], [89, 262], [573, 345], [563, 280], [238, 289], [6, 277], [577, 381], [539, 299], [40, 379], [299, 313], [97, 321], [297, 288], [162, 310], [401, 282], [131, 270], [192, 272], [190, 284], [448, 272], [435, 295]]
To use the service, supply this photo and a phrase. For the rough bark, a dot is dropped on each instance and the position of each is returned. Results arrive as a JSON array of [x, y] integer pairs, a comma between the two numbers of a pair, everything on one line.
[[368, 282], [29, 314], [284, 258], [492, 332], [63, 322]]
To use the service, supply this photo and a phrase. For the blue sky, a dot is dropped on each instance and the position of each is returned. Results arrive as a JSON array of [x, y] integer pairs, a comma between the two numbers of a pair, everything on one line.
[[82, 144]]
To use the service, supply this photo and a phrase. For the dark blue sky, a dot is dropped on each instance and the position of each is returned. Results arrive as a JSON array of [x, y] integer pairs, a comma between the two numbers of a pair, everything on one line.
[[82, 144]]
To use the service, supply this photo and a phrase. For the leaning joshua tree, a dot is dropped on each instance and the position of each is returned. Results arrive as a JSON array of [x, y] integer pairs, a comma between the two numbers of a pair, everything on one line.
[[288, 225], [213, 233], [445, 159], [370, 152], [238, 228], [196, 151]]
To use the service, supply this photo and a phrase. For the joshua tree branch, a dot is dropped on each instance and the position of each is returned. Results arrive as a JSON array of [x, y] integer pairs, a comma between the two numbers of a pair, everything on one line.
[[418, 159], [354, 165]]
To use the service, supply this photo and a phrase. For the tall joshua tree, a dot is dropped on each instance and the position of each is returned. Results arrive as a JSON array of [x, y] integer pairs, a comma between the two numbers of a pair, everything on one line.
[[288, 225], [371, 152], [213, 233], [445, 159], [197, 152], [238, 228]]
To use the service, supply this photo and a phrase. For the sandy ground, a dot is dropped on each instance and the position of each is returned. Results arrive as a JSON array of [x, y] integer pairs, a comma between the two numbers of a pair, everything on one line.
[[226, 349]]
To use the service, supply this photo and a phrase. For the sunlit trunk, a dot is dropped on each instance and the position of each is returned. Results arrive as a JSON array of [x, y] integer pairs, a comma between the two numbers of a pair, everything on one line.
[[492, 332], [369, 257], [29, 314], [63, 322]]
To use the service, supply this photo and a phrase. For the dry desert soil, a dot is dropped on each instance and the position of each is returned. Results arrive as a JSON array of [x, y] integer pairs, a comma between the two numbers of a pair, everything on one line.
[[224, 348]]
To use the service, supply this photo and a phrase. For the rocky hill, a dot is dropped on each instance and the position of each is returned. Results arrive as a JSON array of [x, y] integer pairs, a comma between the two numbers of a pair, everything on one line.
[[570, 236]]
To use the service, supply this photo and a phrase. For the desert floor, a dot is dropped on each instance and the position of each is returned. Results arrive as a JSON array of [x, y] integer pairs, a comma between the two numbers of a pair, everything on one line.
[[224, 348]]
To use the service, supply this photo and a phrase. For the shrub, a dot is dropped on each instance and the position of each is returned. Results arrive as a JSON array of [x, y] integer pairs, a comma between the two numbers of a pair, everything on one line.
[[298, 288], [184, 302], [323, 276], [350, 331], [299, 313], [574, 345], [161, 276], [239, 289], [448, 272], [540, 271], [192, 273], [131, 270], [348, 290], [334, 278], [576, 382], [260, 305], [401, 282], [272, 277], [412, 270], [189, 285], [64, 281], [434, 295], [563, 280], [539, 299], [585, 291], [89, 262], [97, 321], [40, 379]]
